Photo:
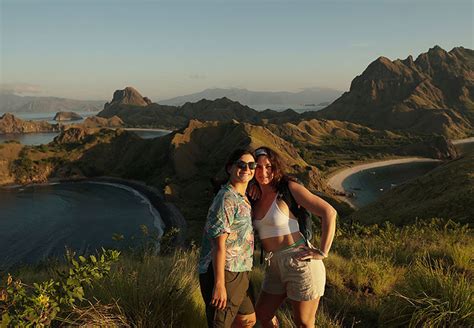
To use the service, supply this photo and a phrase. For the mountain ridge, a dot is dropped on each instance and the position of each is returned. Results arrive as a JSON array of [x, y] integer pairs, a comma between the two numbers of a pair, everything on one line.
[[250, 98], [432, 94]]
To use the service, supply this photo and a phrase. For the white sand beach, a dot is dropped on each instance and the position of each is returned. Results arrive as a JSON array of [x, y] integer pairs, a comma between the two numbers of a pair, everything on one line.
[[462, 141], [335, 181]]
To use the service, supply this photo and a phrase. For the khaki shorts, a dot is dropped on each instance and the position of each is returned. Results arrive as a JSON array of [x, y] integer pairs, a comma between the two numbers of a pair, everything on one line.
[[299, 280], [238, 297]]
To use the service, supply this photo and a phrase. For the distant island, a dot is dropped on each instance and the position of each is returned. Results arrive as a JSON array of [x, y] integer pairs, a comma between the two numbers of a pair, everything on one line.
[[67, 116]]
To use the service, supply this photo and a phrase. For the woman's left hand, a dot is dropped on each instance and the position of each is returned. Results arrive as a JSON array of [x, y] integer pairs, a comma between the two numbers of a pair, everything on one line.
[[307, 253]]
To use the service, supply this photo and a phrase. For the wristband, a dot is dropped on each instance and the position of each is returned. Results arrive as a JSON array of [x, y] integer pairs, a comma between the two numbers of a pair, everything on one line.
[[321, 253]]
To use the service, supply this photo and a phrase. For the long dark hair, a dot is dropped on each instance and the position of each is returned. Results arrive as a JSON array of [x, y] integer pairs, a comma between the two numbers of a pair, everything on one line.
[[278, 167]]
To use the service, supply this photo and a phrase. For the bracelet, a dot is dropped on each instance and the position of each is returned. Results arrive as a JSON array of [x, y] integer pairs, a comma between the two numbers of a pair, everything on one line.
[[321, 252]]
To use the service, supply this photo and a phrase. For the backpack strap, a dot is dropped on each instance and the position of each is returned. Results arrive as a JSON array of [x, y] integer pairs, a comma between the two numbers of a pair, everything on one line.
[[304, 217]]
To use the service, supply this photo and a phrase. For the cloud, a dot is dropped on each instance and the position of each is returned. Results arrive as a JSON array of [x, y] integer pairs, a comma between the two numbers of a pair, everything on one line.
[[20, 88], [197, 77]]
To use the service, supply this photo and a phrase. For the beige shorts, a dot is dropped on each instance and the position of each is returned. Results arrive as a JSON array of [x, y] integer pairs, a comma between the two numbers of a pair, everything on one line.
[[299, 280]]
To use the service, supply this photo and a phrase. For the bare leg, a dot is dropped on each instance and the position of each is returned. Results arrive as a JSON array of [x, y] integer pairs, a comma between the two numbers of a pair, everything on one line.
[[304, 312], [244, 321], [266, 307]]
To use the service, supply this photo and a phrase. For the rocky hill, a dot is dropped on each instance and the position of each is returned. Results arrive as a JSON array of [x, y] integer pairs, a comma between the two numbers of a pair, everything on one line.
[[96, 121], [445, 192], [432, 94], [328, 136], [182, 163], [128, 104], [67, 116], [11, 124]]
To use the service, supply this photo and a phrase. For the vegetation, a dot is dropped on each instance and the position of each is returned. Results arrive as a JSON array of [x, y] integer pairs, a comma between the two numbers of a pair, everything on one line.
[[37, 305], [378, 275]]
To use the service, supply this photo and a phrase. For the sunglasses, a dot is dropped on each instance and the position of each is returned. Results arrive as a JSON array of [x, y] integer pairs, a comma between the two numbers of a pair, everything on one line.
[[243, 165]]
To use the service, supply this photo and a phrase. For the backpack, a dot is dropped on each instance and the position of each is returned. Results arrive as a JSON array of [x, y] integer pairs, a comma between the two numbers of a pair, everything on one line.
[[302, 214]]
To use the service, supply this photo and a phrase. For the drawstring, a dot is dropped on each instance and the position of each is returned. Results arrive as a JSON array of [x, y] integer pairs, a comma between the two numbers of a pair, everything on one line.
[[268, 256]]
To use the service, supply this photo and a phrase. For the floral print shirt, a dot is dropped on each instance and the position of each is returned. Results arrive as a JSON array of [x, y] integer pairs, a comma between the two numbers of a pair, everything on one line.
[[229, 213]]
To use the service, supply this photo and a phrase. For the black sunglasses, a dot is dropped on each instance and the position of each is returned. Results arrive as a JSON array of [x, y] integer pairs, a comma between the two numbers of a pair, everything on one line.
[[243, 165]]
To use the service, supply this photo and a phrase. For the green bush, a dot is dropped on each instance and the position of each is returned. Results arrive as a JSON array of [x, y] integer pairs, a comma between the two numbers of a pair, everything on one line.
[[38, 305]]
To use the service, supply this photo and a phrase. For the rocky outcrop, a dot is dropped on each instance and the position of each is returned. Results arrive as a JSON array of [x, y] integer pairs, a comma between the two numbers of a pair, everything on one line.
[[11, 124], [67, 116], [432, 94], [128, 96], [96, 122], [71, 135]]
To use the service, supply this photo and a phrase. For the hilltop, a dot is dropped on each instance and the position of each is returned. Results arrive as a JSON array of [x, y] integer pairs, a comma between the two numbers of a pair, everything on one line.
[[138, 111], [432, 94], [11, 124]]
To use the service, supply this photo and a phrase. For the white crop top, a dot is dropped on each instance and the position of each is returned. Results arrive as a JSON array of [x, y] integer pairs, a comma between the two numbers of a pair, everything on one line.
[[275, 223]]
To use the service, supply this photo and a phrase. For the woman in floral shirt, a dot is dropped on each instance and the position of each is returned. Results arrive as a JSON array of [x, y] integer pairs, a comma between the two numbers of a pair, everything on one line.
[[227, 248]]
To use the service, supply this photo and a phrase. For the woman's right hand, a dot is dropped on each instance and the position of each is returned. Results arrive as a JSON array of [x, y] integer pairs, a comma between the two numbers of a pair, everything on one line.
[[253, 191], [219, 296]]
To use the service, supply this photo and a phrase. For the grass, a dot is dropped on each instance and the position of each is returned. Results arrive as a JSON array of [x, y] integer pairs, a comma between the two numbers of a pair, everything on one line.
[[419, 275]]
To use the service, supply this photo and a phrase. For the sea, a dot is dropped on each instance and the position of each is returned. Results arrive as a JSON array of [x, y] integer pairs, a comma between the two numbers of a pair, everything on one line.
[[38, 222], [368, 185]]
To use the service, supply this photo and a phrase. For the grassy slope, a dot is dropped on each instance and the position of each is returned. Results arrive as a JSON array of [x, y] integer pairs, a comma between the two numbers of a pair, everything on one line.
[[377, 276]]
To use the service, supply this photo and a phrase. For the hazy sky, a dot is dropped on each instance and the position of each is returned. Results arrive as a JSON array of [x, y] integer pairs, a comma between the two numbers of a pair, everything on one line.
[[86, 49]]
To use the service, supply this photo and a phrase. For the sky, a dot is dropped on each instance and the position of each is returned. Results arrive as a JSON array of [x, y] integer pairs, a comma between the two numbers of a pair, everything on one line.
[[84, 49]]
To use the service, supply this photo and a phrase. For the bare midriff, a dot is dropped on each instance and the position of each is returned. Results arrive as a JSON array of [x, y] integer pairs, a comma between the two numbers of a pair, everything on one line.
[[273, 244]]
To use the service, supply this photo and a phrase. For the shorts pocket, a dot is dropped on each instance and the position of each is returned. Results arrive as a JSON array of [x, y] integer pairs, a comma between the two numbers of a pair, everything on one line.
[[297, 265]]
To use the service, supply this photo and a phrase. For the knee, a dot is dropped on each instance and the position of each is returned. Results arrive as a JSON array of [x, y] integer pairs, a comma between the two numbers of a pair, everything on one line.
[[245, 321], [305, 322]]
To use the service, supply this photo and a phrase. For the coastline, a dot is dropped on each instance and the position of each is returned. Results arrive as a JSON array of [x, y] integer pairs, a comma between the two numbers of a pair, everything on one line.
[[168, 212], [335, 180], [462, 141]]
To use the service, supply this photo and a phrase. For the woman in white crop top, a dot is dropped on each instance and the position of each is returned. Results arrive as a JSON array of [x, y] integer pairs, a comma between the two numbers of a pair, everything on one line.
[[293, 271]]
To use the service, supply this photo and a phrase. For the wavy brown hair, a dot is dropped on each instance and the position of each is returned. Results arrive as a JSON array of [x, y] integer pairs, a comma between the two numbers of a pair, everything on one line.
[[278, 167]]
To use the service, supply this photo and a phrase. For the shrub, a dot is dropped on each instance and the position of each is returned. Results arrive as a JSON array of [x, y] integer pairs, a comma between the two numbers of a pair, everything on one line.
[[38, 305]]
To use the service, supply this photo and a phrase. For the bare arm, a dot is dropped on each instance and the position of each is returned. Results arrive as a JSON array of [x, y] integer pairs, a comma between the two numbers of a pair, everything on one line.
[[319, 207], [219, 294]]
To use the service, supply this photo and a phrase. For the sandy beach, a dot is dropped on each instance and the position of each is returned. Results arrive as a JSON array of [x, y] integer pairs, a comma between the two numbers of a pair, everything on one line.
[[462, 141], [335, 181]]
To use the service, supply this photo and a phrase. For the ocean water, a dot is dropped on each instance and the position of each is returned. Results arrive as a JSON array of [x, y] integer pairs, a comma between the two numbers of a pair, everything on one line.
[[368, 185], [38, 222]]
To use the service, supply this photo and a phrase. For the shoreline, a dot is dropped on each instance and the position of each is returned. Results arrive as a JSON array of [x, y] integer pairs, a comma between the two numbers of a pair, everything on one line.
[[168, 212], [336, 179], [462, 141]]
